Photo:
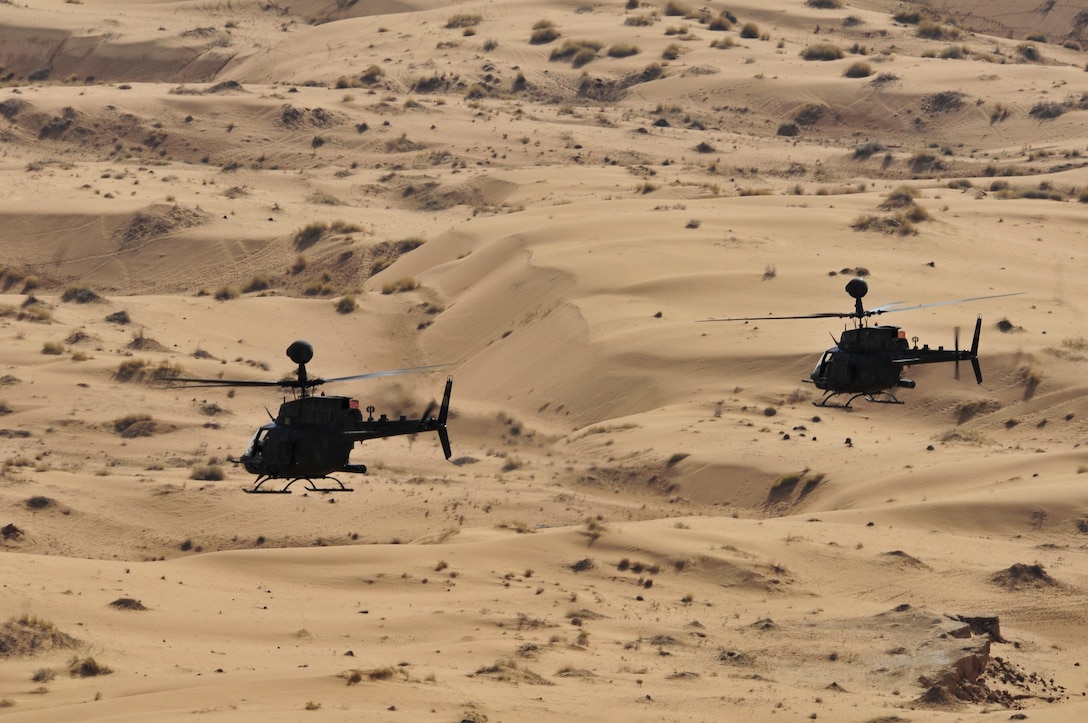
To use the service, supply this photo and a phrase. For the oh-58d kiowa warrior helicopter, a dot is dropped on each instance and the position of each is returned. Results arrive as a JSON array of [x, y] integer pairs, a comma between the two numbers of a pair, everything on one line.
[[868, 360], [312, 436]]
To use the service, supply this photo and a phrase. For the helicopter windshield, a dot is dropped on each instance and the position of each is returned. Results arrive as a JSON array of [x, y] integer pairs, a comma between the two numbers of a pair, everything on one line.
[[819, 371], [256, 445]]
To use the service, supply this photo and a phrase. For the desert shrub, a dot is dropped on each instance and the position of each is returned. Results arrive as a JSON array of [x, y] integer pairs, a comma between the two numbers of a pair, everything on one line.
[[372, 74], [1046, 110], [39, 502], [80, 295], [676, 8], [44, 675], [822, 51], [954, 52], [623, 50], [225, 293], [907, 17], [860, 69], [704, 147], [866, 150], [544, 31], [824, 4], [53, 347], [310, 234], [1029, 52], [570, 48], [900, 197], [895, 225], [86, 668], [208, 473], [719, 23], [260, 282], [400, 285], [723, 43], [935, 31], [671, 52], [463, 20], [346, 304], [134, 425], [583, 57], [809, 114], [788, 130], [639, 21], [749, 31]]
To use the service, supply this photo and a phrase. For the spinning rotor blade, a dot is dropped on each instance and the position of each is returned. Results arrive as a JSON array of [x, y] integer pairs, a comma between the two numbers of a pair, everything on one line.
[[824, 315], [886, 310], [387, 373], [194, 383]]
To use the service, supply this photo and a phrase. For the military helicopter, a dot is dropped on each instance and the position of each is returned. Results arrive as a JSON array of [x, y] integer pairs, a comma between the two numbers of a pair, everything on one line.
[[312, 436], [868, 360]]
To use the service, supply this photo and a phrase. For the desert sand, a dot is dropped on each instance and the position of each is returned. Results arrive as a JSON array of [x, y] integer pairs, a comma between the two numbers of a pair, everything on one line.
[[645, 517]]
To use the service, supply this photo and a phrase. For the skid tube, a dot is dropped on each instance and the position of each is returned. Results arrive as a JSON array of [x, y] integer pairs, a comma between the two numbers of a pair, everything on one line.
[[885, 398], [286, 489]]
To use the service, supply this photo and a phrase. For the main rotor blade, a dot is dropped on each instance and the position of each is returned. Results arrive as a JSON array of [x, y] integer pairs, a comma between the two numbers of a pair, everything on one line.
[[387, 373], [885, 310], [824, 315], [191, 382]]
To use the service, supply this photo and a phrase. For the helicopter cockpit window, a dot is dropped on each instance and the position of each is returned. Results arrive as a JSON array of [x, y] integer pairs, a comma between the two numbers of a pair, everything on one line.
[[821, 366], [256, 446]]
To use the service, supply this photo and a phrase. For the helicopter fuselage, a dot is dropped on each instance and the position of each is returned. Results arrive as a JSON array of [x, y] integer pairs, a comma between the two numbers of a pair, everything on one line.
[[866, 360], [312, 436]]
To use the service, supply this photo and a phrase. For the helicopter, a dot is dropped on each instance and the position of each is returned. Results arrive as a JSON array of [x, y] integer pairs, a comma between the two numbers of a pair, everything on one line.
[[867, 361], [312, 436]]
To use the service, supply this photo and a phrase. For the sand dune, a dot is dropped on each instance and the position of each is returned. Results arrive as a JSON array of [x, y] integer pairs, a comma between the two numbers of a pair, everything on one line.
[[645, 517]]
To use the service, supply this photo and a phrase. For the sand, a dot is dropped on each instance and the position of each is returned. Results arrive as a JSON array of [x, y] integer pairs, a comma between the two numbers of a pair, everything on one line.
[[645, 517]]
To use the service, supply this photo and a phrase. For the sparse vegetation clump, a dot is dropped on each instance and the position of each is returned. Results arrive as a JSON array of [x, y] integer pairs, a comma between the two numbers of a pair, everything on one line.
[[260, 282], [134, 425], [677, 9], [936, 31], [809, 114], [28, 634], [749, 31], [822, 51], [543, 32], [346, 304], [623, 50], [225, 293], [907, 17], [208, 473], [463, 20], [400, 285], [860, 69], [824, 4], [143, 371], [86, 668], [1046, 110], [310, 234], [579, 52], [80, 295]]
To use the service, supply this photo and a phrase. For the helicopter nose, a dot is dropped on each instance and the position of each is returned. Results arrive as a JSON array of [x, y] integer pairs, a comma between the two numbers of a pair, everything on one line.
[[300, 352]]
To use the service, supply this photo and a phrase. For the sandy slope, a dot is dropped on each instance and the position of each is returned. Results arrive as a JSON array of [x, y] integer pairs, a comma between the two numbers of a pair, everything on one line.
[[646, 517]]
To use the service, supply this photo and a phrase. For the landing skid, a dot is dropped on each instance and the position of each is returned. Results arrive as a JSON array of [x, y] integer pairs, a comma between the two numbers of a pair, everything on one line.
[[286, 489], [875, 397]]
